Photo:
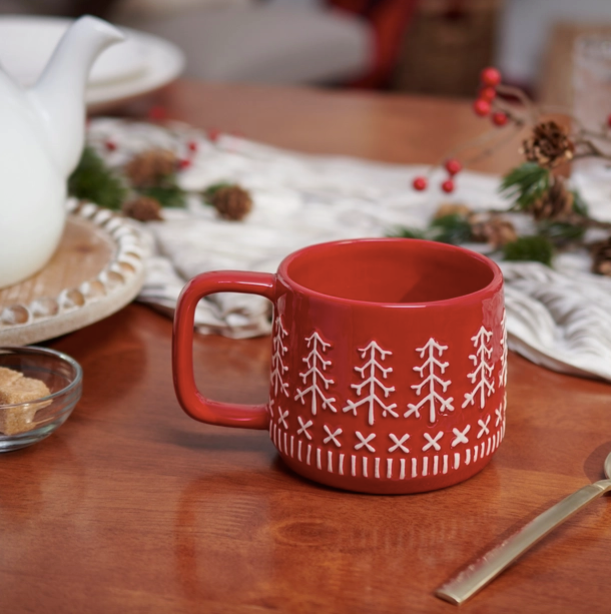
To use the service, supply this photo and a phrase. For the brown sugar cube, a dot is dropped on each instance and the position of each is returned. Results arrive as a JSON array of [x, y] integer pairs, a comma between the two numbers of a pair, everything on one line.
[[21, 390], [8, 376]]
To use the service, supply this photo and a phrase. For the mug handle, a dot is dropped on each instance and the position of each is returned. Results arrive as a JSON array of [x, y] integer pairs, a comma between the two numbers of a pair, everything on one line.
[[195, 404]]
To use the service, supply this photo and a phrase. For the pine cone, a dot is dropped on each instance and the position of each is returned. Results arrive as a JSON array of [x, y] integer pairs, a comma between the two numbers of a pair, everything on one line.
[[232, 202], [555, 204], [549, 145], [151, 167], [492, 229], [143, 209], [601, 258]]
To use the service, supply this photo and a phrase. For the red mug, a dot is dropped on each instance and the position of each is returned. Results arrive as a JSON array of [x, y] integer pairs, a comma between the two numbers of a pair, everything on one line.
[[389, 362]]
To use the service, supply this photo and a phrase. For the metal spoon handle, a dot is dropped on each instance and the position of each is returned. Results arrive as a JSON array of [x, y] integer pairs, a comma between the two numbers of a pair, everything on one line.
[[474, 577]]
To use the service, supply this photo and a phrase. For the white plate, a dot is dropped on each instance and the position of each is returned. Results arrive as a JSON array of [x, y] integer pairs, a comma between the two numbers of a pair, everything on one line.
[[141, 64], [164, 63]]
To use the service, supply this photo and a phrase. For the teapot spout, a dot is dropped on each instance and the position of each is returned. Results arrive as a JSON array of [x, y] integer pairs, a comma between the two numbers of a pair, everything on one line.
[[59, 94]]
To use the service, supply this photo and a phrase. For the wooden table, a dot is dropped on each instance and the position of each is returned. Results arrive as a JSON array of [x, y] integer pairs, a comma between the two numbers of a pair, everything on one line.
[[133, 507]]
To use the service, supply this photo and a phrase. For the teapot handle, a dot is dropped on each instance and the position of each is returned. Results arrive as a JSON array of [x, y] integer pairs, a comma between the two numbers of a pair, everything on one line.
[[195, 404]]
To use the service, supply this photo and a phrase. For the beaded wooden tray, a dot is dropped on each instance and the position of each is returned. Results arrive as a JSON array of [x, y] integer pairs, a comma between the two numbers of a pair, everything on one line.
[[97, 269]]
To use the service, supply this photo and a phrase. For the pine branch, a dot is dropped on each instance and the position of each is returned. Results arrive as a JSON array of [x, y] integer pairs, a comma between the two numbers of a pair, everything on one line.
[[525, 184], [561, 233], [453, 229], [167, 196], [533, 248], [92, 180]]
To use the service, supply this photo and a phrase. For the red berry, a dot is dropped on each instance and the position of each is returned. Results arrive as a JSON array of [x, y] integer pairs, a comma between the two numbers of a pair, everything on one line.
[[157, 113], [487, 93], [192, 146], [213, 134], [481, 107], [490, 76], [183, 164], [110, 145], [419, 183], [453, 166], [447, 186], [499, 118]]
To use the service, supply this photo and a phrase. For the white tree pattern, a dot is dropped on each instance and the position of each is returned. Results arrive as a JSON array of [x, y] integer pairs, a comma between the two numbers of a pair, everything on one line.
[[278, 366], [482, 374], [368, 374], [427, 371], [503, 373], [316, 365]]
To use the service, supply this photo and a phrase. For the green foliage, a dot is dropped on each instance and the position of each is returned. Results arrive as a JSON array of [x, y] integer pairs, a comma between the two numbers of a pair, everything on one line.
[[579, 204], [453, 228], [561, 233], [532, 248], [525, 184], [404, 232], [93, 181], [167, 196]]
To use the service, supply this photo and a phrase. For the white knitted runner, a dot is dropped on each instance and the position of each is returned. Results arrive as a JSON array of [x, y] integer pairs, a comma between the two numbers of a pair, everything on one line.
[[560, 318]]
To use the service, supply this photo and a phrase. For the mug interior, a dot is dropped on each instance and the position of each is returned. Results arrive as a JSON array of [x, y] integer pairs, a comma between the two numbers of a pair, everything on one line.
[[390, 270]]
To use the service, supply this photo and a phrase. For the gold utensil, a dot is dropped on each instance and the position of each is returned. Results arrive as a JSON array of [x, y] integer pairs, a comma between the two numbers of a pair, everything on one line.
[[474, 577]]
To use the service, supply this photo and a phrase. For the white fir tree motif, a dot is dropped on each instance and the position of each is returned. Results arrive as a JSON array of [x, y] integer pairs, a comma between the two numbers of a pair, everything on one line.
[[318, 382], [482, 374], [431, 382], [503, 373], [372, 384], [278, 352]]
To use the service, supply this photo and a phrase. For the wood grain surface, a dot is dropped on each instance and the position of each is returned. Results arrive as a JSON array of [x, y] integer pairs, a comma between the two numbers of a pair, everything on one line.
[[131, 506]]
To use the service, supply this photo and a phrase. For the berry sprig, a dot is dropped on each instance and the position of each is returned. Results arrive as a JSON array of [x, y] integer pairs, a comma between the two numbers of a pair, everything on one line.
[[489, 103], [537, 188], [452, 166], [490, 80]]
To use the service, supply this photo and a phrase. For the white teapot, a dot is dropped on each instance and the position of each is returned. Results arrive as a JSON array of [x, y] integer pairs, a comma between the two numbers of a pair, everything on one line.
[[42, 135]]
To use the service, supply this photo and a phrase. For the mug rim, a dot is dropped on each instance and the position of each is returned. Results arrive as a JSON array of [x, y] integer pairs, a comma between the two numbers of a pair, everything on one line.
[[495, 284]]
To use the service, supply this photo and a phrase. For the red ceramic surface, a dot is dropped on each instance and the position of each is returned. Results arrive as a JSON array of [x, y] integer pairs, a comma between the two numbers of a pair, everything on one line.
[[389, 362]]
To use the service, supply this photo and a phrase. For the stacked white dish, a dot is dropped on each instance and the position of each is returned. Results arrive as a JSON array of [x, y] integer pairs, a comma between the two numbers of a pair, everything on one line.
[[141, 64]]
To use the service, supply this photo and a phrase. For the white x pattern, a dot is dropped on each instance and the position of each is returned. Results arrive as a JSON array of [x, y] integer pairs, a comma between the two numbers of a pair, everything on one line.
[[304, 427], [461, 436], [484, 430], [283, 415], [432, 442], [332, 436], [499, 415], [365, 441], [398, 442]]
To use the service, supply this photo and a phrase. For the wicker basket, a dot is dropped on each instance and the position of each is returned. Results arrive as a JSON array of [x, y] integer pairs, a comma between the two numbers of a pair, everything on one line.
[[446, 47]]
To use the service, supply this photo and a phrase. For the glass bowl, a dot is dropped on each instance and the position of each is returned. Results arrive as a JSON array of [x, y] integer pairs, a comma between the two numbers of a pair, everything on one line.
[[23, 424]]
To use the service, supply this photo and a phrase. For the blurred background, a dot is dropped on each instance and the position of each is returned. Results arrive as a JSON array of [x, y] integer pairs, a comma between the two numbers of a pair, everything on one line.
[[435, 47]]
